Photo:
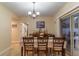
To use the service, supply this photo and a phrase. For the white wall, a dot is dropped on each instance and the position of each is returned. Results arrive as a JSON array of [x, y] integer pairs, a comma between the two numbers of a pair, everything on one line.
[[5, 28]]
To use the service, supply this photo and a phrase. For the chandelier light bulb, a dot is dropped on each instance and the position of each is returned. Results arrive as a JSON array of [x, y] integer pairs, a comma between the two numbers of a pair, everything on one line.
[[34, 15], [37, 13], [29, 13]]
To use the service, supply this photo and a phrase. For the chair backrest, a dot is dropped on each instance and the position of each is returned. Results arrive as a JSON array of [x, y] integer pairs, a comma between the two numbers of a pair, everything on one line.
[[58, 43], [42, 42], [28, 42]]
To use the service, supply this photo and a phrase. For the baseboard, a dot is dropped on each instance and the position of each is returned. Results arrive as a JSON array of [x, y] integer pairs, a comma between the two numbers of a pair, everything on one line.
[[5, 52]]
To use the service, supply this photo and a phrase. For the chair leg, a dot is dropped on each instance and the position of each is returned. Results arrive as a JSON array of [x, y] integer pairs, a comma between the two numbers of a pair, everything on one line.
[[32, 52], [58, 53], [24, 53], [37, 52], [46, 52], [63, 53], [21, 51], [27, 53], [53, 53]]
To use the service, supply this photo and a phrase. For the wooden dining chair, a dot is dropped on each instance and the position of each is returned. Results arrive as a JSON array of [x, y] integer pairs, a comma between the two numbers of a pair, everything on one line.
[[42, 45], [28, 43], [58, 46]]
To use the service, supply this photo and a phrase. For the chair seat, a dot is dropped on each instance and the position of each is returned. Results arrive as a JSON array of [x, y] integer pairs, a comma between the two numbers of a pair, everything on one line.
[[29, 49], [42, 48], [57, 48]]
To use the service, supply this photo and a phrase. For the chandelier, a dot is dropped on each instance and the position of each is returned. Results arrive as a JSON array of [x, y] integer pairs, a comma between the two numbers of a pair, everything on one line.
[[33, 13]]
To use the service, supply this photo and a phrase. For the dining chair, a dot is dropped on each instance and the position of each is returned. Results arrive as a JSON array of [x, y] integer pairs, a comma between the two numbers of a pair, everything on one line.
[[58, 46], [28, 43], [42, 46]]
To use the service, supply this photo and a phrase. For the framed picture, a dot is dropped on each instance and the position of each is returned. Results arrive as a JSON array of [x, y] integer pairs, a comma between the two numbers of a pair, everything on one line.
[[40, 24]]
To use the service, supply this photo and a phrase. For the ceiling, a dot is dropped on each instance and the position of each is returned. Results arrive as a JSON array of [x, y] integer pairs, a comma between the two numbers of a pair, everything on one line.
[[45, 8]]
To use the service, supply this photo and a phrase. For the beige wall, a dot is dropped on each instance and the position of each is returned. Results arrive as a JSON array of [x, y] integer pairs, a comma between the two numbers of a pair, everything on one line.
[[5, 28], [66, 8], [49, 23]]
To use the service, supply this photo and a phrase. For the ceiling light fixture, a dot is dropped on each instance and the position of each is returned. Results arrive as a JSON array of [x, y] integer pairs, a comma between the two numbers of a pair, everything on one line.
[[33, 13]]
